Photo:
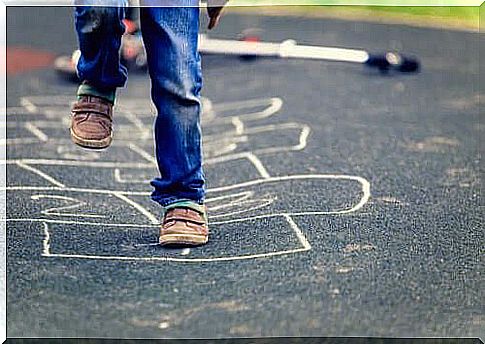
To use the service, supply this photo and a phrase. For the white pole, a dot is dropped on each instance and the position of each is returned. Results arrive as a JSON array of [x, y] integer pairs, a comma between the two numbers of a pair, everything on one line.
[[286, 49]]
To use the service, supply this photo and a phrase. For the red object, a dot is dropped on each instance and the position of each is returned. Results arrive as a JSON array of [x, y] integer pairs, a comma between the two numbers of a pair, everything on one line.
[[130, 26], [20, 60], [129, 53], [251, 39]]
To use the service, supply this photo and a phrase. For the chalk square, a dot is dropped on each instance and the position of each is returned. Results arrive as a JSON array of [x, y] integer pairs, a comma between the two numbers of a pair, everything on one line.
[[238, 241]]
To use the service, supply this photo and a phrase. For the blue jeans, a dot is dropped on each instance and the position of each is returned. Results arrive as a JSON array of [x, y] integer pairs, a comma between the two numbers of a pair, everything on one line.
[[170, 37]]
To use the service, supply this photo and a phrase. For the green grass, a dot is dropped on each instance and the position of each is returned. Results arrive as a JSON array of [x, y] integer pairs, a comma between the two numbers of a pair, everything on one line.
[[456, 12], [466, 16]]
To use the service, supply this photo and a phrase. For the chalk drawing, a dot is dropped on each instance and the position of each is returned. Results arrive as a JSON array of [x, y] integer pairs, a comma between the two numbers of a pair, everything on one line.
[[58, 211], [233, 132]]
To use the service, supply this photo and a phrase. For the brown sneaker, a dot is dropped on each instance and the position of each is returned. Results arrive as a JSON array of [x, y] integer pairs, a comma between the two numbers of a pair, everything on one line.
[[91, 119], [184, 226]]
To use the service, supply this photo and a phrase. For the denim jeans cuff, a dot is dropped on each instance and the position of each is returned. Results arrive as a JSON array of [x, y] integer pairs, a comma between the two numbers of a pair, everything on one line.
[[86, 89]]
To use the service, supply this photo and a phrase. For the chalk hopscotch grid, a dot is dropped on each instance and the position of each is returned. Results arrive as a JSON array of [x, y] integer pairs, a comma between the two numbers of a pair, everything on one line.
[[35, 106]]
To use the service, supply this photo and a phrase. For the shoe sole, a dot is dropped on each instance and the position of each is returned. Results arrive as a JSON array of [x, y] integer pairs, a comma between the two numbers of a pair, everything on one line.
[[92, 144], [183, 239]]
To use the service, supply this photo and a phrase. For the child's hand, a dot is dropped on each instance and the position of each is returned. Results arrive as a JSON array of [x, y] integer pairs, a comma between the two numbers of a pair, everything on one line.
[[214, 10]]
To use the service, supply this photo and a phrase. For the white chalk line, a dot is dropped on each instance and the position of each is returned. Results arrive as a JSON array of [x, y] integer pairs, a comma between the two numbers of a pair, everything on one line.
[[219, 140], [28, 105], [179, 260], [40, 174], [125, 131], [251, 205], [123, 138], [207, 108], [364, 199], [133, 103], [148, 225], [223, 138], [258, 165], [365, 190], [305, 132], [31, 140], [273, 105], [19, 141], [58, 113], [45, 241], [266, 216], [76, 163], [224, 158], [220, 150], [140, 208], [36, 131], [223, 147], [113, 164], [147, 245], [288, 216], [119, 179], [276, 104], [361, 180], [237, 197], [145, 132], [238, 104], [44, 124], [302, 139], [274, 127], [47, 100], [56, 211], [303, 241], [151, 159], [298, 232], [13, 111], [126, 134], [301, 237], [237, 200], [84, 223], [144, 154], [70, 152], [365, 185], [253, 159], [238, 125], [244, 219]]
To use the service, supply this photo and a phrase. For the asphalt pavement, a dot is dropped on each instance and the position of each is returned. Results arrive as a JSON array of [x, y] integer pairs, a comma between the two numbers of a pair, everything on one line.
[[343, 201]]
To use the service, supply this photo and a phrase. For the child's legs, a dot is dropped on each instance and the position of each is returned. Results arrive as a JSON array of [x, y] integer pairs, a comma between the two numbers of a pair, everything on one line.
[[99, 32], [170, 35]]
